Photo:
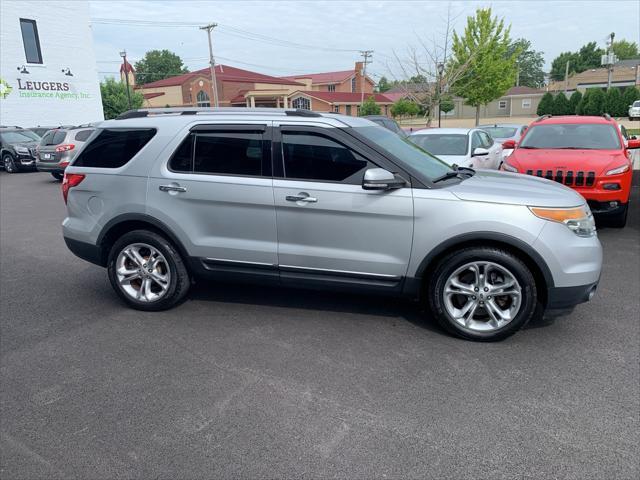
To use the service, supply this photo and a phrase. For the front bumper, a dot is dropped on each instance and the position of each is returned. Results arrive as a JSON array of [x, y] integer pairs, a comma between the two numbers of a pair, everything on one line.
[[602, 209]]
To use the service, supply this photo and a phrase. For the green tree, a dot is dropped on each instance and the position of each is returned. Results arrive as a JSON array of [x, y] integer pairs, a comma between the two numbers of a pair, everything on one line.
[[624, 49], [404, 108], [545, 107], [630, 95], [384, 84], [614, 103], [446, 104], [561, 105], [574, 101], [483, 52], [595, 104], [158, 65], [587, 57], [529, 63], [370, 107], [114, 98]]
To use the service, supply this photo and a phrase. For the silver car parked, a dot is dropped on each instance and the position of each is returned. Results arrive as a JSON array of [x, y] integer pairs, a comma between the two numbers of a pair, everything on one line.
[[58, 147], [298, 198]]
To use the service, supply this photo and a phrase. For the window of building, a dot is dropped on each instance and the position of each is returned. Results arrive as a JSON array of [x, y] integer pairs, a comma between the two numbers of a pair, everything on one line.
[[202, 99], [301, 102], [228, 153], [348, 107], [502, 104], [353, 84], [31, 41], [526, 103], [336, 108], [312, 156], [331, 88], [113, 148]]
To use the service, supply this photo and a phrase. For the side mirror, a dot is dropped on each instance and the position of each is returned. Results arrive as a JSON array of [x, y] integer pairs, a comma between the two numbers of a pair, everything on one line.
[[509, 144], [633, 143], [381, 179], [479, 152]]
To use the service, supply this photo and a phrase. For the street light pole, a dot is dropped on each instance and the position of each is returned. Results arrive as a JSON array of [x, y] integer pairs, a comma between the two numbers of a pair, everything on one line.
[[123, 54], [440, 70]]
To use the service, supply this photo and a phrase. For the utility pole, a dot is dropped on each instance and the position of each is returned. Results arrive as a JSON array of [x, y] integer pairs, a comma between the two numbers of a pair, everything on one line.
[[123, 54], [566, 77], [609, 59], [366, 54], [214, 86]]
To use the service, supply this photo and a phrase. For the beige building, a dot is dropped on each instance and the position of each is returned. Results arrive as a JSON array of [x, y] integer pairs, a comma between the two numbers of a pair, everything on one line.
[[625, 73]]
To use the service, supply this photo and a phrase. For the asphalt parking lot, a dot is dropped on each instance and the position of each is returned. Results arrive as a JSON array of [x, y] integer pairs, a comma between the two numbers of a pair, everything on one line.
[[253, 382]]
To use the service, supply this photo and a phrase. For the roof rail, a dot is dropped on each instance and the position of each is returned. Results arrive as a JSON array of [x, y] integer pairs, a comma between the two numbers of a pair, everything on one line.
[[542, 117], [606, 116], [146, 112]]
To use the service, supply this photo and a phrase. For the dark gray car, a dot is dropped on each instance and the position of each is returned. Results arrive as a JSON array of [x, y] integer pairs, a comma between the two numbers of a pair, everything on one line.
[[58, 147], [17, 149]]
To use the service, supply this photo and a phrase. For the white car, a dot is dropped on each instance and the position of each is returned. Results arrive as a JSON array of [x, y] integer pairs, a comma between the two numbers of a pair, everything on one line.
[[465, 147], [634, 110]]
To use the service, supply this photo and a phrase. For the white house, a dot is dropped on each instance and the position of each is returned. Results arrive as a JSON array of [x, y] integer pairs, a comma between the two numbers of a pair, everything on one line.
[[48, 73]]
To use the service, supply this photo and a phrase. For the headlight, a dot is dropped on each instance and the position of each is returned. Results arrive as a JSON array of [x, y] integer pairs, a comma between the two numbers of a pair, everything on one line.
[[23, 150], [577, 219], [617, 170]]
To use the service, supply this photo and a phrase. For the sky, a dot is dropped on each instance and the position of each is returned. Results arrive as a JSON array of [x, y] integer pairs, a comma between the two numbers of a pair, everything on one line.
[[287, 38]]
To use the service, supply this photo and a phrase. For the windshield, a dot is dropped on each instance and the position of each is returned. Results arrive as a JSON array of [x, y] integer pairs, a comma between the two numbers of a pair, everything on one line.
[[500, 132], [405, 151], [636, 103], [21, 136], [442, 143], [575, 136]]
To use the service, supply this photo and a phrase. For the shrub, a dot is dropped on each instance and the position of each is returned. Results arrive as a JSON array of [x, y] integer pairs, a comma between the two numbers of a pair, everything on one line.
[[575, 99], [561, 105], [545, 106], [370, 107], [614, 103], [595, 105]]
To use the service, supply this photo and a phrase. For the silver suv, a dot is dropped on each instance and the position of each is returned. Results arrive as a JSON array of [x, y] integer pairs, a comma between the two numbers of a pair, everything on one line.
[[58, 147], [298, 198]]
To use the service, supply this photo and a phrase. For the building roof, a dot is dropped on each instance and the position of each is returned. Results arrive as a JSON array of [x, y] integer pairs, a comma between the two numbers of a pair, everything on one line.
[[625, 72], [147, 96], [325, 77], [410, 87], [224, 73], [523, 90], [343, 97], [395, 96]]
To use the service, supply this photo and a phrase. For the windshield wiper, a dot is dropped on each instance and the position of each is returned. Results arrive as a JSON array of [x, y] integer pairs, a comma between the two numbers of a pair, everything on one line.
[[456, 172]]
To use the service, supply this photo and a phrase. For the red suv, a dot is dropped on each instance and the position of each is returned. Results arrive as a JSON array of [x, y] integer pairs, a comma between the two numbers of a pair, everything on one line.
[[588, 154]]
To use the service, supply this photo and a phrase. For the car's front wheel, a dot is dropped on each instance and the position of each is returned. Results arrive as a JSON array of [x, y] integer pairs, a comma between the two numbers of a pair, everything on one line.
[[9, 164], [482, 293], [147, 271]]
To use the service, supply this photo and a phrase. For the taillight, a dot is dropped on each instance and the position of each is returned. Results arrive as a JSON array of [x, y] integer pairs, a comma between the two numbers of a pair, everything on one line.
[[65, 148], [69, 181], [64, 163]]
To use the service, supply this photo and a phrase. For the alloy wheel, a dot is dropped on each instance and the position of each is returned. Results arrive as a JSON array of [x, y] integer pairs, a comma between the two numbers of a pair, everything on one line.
[[143, 272], [482, 296]]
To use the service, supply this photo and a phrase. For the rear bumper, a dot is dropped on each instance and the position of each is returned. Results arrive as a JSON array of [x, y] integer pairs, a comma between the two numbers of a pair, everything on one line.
[[561, 298], [86, 251], [49, 167]]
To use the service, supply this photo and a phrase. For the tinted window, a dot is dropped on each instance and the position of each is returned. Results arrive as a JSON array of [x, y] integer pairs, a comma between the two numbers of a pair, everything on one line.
[[500, 132], [17, 137], [112, 148], [316, 157], [182, 160], [30, 41], [82, 135], [53, 137], [442, 144], [572, 136], [230, 153]]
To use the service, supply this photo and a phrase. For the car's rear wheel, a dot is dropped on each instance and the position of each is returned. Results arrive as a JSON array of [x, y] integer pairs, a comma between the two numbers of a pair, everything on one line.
[[57, 175], [147, 271], [9, 164], [482, 293]]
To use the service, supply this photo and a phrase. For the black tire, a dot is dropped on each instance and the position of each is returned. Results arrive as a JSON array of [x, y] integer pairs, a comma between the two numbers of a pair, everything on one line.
[[9, 164], [619, 220], [179, 282], [57, 175], [449, 264]]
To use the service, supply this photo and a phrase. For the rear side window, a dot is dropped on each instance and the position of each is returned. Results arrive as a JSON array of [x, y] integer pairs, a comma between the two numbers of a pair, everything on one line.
[[315, 157], [82, 135], [221, 153], [113, 148], [53, 137]]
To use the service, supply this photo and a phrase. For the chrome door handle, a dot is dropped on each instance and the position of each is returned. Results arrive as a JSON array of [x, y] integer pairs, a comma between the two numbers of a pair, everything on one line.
[[301, 198], [172, 188]]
